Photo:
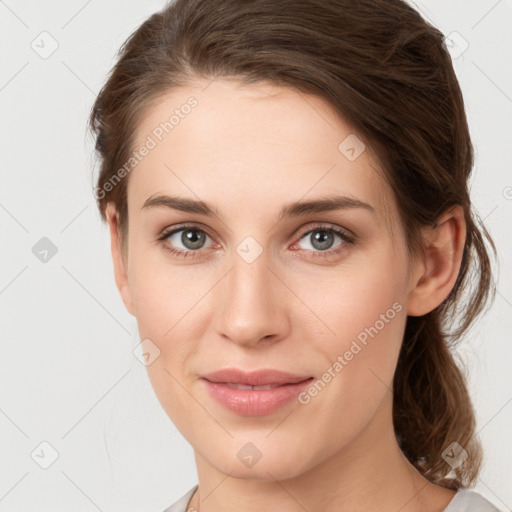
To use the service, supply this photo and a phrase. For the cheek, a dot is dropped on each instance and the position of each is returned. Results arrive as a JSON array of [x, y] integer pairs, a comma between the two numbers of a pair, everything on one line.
[[368, 290], [167, 300], [162, 293], [365, 310]]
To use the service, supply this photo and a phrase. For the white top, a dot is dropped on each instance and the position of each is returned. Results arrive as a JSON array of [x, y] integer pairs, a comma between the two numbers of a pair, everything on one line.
[[464, 500]]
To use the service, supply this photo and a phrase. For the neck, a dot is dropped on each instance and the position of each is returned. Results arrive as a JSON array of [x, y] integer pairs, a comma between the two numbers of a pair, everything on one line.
[[370, 473]]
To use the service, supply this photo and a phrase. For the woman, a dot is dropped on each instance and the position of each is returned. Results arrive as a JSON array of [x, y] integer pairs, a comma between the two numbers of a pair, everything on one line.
[[286, 187]]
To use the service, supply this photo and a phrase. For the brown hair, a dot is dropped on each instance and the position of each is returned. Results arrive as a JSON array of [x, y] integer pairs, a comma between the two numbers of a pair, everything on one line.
[[386, 71]]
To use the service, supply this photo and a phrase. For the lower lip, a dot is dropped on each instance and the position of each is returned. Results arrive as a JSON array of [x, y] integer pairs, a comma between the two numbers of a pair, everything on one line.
[[252, 402]]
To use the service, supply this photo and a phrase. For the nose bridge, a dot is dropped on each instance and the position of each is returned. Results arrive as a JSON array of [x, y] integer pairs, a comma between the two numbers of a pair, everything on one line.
[[250, 272], [249, 308]]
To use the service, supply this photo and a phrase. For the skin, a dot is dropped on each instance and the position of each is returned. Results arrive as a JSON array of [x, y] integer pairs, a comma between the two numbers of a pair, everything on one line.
[[248, 150]]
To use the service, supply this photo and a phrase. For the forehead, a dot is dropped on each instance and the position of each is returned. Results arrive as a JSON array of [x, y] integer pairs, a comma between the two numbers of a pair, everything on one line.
[[223, 139]]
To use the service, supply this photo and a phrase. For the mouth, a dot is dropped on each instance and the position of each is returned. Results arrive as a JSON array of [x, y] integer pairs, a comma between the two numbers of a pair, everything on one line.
[[266, 377], [256, 393], [233, 385]]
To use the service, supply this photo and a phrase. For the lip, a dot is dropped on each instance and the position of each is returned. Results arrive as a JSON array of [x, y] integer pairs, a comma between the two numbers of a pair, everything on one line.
[[227, 388]]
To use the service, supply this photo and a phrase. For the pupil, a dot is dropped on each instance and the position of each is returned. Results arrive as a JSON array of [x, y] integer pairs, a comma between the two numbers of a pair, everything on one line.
[[321, 239], [192, 239]]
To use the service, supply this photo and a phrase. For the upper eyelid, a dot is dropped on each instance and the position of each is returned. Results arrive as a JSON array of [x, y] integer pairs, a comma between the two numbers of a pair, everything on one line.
[[166, 232], [328, 227]]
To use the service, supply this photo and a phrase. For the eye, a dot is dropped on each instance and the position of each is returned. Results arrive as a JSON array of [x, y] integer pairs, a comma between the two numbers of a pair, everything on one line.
[[324, 241], [185, 240]]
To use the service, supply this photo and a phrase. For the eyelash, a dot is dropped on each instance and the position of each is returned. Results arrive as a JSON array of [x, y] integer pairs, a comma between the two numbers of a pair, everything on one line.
[[347, 240]]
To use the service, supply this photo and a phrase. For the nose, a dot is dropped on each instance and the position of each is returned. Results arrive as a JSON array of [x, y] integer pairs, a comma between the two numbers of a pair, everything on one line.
[[252, 304]]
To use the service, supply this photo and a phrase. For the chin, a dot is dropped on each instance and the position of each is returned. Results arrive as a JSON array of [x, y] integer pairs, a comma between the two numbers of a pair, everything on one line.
[[269, 462], [262, 472]]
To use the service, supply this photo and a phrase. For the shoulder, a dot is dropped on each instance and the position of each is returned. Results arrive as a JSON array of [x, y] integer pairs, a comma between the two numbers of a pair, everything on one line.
[[181, 504], [466, 500]]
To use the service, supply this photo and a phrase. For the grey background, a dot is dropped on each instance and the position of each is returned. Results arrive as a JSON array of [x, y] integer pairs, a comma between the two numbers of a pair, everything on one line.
[[68, 376]]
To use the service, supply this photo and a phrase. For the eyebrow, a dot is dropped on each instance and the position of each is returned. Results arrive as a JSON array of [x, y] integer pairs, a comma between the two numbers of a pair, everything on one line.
[[294, 209]]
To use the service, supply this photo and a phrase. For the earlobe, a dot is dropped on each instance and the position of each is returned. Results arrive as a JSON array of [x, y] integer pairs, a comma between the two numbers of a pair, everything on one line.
[[119, 263], [435, 276]]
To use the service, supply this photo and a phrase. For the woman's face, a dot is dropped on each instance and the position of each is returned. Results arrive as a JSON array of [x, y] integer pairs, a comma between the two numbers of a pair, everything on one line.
[[252, 289]]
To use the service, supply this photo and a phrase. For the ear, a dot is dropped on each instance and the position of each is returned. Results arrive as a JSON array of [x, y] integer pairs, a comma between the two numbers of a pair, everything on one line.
[[120, 273], [435, 275]]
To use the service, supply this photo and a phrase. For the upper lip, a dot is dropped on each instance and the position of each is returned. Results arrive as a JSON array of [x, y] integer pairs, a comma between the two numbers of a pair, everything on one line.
[[254, 378]]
